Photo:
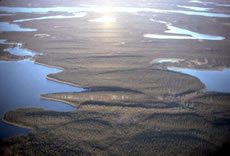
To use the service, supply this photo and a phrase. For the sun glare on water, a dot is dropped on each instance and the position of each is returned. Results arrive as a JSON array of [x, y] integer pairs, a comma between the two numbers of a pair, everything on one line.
[[105, 9], [104, 19]]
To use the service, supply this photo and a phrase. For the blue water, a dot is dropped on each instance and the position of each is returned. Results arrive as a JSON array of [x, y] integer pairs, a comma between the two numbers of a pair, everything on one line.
[[7, 27], [176, 30], [19, 51], [76, 15], [207, 14], [194, 8], [181, 33], [103, 9], [2, 41], [167, 61], [201, 2], [170, 37], [218, 81], [210, 3], [21, 83]]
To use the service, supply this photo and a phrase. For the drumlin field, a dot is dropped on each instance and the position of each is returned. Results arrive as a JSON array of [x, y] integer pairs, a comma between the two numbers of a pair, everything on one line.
[[130, 59]]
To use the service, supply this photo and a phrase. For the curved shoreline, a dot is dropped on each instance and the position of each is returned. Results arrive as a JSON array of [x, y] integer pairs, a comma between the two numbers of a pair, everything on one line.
[[59, 100], [54, 79], [41, 96], [16, 124]]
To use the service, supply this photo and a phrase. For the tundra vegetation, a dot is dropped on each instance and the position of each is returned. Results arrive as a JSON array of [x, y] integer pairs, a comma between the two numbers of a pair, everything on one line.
[[132, 105]]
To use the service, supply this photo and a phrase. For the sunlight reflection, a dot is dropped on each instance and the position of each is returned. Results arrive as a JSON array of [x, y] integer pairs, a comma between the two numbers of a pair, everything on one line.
[[104, 19]]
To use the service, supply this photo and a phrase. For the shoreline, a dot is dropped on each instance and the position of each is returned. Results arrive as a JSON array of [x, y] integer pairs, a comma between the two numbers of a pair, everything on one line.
[[18, 58], [59, 100], [7, 59], [131, 99], [64, 82], [48, 65], [16, 124], [6, 56], [54, 79]]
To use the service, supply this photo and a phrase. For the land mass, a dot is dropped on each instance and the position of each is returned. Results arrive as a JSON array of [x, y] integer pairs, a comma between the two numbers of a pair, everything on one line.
[[132, 106]]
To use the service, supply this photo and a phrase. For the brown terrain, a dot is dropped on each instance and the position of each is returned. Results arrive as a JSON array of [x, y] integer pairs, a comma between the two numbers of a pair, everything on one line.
[[133, 106]]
